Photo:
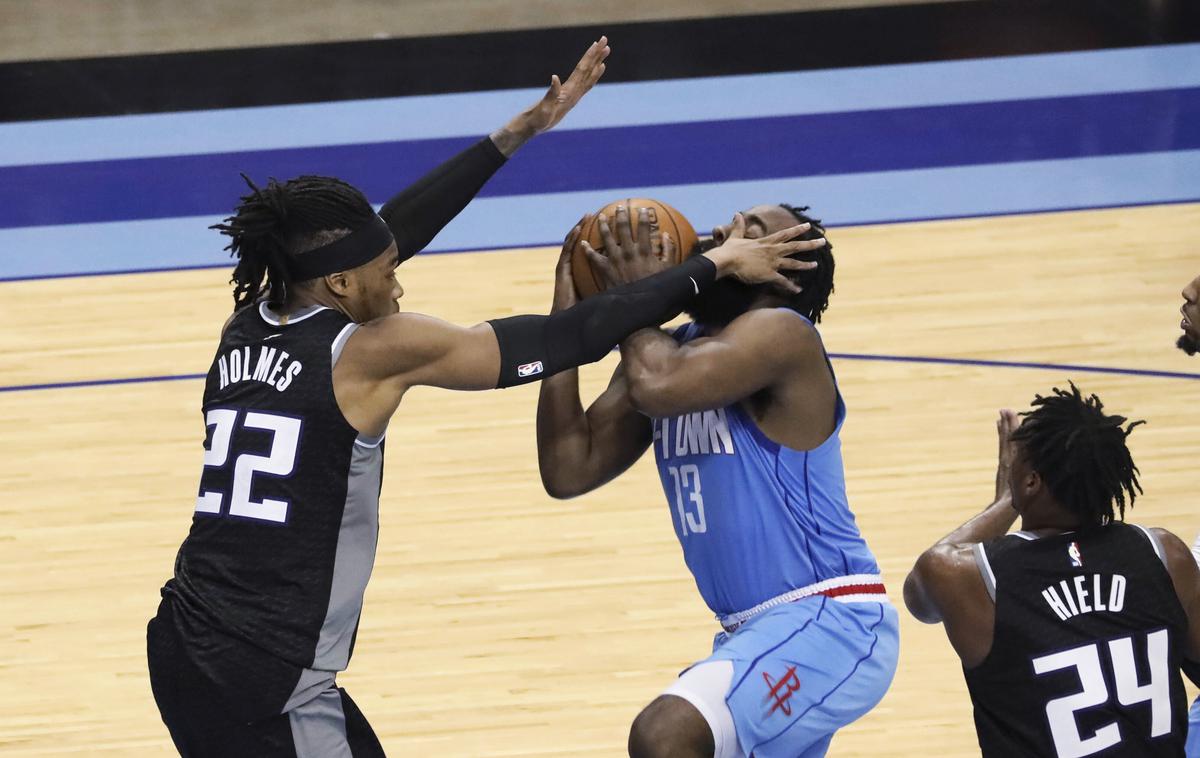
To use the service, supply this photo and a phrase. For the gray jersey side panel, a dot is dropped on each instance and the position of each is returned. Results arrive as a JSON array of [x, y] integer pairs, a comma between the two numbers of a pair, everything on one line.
[[354, 559], [319, 727]]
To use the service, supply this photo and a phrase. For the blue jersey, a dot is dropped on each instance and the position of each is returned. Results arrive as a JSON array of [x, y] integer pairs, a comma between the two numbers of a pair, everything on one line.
[[755, 519]]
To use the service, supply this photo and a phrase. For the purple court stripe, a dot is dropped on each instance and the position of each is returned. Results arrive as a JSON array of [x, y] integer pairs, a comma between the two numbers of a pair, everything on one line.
[[99, 382], [635, 156], [837, 356], [556, 243], [1014, 364]]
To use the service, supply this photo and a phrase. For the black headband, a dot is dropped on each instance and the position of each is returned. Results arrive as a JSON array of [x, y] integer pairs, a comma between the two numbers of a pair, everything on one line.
[[360, 246]]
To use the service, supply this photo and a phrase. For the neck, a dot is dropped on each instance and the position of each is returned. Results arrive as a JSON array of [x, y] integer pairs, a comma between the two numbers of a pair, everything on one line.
[[1050, 521], [303, 298], [765, 300]]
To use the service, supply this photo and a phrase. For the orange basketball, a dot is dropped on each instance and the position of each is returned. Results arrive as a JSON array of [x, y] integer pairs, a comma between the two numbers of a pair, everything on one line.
[[663, 219]]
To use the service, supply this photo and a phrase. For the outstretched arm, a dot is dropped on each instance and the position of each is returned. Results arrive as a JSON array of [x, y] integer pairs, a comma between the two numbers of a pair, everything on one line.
[[579, 451], [419, 212]]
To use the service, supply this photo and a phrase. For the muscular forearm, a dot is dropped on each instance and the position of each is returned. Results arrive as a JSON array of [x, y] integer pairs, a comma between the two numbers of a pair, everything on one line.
[[535, 347], [994, 521], [418, 213], [509, 138], [563, 434]]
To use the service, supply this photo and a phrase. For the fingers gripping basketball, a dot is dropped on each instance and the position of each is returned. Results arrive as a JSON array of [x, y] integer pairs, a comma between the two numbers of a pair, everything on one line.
[[663, 220]]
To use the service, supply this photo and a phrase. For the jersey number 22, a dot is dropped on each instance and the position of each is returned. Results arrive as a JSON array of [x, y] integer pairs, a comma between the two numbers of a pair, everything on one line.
[[279, 461]]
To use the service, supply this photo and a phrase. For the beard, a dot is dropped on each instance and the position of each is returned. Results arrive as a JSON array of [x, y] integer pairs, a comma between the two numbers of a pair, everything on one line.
[[724, 301], [1188, 344]]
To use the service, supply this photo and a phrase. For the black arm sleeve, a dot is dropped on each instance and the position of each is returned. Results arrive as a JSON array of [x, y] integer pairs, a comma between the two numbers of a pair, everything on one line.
[[417, 214], [535, 347]]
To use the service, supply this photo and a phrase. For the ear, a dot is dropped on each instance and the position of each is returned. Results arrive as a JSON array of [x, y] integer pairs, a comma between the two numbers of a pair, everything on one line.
[[338, 283], [1032, 483]]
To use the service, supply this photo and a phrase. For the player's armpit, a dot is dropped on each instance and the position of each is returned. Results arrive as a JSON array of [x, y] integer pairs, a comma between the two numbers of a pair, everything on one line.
[[414, 349], [754, 352]]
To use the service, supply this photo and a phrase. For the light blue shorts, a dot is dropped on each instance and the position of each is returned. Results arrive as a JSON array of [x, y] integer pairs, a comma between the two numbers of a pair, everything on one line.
[[803, 670], [1192, 747]]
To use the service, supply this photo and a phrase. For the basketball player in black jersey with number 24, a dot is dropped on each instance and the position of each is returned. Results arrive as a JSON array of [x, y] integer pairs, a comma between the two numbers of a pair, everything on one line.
[[1072, 631]]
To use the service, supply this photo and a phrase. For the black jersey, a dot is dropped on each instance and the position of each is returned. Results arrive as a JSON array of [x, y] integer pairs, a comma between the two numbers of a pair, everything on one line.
[[283, 538], [1089, 639]]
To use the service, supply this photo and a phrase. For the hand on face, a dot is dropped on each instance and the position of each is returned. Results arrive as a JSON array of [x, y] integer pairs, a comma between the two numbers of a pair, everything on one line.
[[625, 258], [760, 261]]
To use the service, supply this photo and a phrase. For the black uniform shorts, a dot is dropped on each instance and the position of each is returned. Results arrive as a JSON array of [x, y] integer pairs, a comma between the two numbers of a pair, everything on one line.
[[206, 719]]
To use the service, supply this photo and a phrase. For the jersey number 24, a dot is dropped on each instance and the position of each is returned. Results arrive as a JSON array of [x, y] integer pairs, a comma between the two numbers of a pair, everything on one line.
[[1060, 712]]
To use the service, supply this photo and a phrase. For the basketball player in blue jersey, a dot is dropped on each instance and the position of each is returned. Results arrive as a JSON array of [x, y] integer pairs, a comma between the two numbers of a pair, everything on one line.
[[1072, 631], [262, 611], [742, 411]]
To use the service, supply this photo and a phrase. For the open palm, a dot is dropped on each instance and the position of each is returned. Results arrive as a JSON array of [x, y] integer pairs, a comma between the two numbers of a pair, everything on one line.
[[561, 97]]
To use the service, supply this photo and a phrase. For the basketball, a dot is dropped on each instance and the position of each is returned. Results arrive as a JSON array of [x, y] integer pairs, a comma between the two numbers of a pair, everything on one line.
[[663, 219]]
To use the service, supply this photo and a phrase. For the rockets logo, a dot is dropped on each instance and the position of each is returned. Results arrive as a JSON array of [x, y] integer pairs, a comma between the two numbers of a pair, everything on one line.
[[1075, 556], [781, 691]]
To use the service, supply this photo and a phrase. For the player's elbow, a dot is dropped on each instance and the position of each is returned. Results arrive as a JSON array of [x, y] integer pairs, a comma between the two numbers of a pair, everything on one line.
[[559, 487], [562, 479], [650, 394]]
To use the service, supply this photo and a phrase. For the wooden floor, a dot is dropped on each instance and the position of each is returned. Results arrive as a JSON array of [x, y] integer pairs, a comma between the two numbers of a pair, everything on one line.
[[500, 622]]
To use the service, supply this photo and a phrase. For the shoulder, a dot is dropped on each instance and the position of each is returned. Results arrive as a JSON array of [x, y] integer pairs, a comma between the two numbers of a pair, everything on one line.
[[1175, 552], [948, 561], [779, 327], [251, 308], [952, 571], [946, 578]]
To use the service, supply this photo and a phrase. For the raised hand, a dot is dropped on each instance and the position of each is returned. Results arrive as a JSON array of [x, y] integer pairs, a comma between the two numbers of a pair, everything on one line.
[[1005, 426], [558, 101], [561, 98]]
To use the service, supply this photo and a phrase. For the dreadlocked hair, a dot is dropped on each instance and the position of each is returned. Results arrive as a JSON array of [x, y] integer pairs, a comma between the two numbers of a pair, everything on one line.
[[273, 224], [817, 283], [1080, 453]]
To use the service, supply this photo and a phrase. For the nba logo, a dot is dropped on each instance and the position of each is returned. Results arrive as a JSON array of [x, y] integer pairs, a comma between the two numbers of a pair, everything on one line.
[[1073, 553], [529, 369]]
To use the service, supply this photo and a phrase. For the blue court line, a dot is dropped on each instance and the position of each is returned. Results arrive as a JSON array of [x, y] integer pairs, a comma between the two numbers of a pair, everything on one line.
[[609, 105], [99, 382], [1068, 367], [689, 153]]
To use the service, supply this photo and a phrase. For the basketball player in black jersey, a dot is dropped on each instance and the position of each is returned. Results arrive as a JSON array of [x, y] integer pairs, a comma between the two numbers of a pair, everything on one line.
[[264, 604], [1072, 631]]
